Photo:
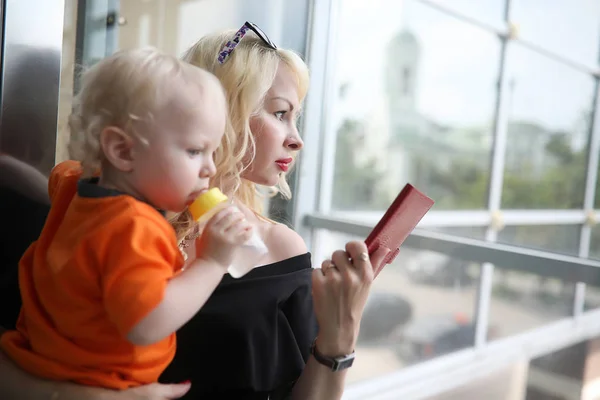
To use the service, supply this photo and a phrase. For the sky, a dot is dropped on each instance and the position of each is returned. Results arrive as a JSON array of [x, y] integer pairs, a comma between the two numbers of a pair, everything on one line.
[[459, 61]]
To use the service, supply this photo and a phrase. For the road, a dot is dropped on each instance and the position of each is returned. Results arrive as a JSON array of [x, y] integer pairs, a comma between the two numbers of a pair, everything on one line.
[[508, 317]]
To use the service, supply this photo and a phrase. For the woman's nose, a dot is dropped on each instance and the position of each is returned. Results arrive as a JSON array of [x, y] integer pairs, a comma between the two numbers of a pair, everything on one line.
[[294, 141]]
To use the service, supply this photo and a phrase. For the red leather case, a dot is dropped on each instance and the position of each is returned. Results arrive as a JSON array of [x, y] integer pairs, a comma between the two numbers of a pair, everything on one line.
[[409, 207]]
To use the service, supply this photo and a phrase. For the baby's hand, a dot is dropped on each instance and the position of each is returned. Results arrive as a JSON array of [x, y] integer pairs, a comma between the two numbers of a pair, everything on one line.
[[223, 233]]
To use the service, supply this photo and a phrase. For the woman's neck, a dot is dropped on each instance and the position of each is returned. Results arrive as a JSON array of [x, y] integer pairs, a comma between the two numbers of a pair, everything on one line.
[[243, 192]]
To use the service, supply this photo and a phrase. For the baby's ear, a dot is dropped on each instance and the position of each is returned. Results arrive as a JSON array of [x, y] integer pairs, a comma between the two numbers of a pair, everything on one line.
[[117, 147]]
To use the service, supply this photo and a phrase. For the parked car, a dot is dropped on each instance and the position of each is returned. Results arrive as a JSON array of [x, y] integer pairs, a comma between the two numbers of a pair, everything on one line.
[[385, 314], [435, 335]]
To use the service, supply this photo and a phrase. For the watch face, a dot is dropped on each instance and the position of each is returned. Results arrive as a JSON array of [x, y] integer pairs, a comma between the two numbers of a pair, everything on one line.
[[343, 362], [335, 363]]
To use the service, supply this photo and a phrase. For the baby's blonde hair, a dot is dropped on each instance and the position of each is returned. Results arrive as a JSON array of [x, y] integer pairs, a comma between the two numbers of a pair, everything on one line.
[[246, 75], [126, 91]]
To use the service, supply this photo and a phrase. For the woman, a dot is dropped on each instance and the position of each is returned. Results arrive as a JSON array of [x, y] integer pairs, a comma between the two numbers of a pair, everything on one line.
[[255, 337]]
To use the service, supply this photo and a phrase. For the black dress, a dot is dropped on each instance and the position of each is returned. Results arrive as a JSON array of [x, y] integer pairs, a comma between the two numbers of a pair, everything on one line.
[[21, 222], [252, 338]]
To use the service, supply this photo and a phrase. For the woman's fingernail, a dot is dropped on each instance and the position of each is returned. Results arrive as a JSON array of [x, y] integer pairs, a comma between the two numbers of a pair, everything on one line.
[[364, 256]]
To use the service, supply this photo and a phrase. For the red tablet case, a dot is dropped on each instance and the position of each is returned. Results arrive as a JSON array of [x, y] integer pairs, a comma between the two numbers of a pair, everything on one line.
[[409, 207]]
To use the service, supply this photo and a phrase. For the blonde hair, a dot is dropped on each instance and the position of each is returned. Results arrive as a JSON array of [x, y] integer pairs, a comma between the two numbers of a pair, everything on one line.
[[123, 91], [246, 75]]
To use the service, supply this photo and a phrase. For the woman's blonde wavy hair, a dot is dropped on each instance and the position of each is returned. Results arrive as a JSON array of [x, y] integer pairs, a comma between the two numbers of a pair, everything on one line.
[[246, 75]]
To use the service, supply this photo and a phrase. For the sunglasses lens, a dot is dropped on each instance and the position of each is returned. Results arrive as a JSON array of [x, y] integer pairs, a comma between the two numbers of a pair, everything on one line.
[[259, 32]]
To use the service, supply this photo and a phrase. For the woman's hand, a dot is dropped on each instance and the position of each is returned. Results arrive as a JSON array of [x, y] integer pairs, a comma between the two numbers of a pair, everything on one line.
[[340, 291]]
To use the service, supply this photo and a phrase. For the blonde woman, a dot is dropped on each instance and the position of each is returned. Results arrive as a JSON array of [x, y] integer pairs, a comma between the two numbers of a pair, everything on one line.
[[256, 337]]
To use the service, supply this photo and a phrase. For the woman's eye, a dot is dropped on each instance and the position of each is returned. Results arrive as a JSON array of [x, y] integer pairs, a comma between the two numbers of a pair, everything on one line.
[[280, 114]]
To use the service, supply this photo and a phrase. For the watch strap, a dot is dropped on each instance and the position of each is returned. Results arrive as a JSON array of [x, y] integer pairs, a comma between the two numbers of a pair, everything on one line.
[[334, 363]]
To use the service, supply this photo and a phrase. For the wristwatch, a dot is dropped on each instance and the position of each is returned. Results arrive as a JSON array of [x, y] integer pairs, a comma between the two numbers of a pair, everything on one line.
[[334, 363]]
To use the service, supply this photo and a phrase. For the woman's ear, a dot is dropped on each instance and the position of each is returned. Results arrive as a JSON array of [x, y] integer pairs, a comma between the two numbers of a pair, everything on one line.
[[117, 147]]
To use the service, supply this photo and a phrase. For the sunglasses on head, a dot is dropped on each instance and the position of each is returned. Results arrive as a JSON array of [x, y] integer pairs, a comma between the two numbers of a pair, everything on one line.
[[239, 35]]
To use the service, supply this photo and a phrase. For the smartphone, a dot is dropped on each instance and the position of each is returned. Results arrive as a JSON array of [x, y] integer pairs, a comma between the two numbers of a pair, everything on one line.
[[409, 207]]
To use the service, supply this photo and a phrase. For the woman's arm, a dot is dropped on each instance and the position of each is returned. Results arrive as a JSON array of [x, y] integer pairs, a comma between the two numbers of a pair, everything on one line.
[[15, 384], [319, 382], [339, 295]]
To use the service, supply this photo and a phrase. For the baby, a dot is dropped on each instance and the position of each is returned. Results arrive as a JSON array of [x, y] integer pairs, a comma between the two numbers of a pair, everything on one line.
[[104, 288]]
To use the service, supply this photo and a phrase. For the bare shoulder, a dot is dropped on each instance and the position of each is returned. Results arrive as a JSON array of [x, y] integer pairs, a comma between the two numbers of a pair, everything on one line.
[[283, 242]]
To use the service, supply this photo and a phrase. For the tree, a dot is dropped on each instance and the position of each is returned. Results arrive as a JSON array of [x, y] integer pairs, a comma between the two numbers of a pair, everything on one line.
[[562, 186], [463, 186], [354, 186]]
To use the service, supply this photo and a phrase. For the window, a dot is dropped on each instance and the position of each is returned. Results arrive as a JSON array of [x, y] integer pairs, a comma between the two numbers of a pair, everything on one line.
[[595, 243], [491, 110], [578, 38], [549, 107], [431, 82]]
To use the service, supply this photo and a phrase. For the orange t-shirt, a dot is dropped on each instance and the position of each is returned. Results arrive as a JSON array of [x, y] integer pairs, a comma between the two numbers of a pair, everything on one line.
[[100, 265]]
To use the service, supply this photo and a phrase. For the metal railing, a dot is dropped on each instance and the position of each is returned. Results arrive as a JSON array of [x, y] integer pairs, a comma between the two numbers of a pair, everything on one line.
[[542, 263]]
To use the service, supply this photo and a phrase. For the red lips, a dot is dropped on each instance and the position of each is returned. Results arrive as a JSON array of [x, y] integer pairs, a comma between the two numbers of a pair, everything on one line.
[[284, 163]]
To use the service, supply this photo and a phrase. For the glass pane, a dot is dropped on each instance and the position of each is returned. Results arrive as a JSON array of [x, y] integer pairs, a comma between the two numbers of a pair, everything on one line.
[[523, 301], [555, 238], [549, 117], [595, 243], [488, 11], [577, 38], [597, 191], [592, 298], [421, 306], [592, 293], [430, 80]]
